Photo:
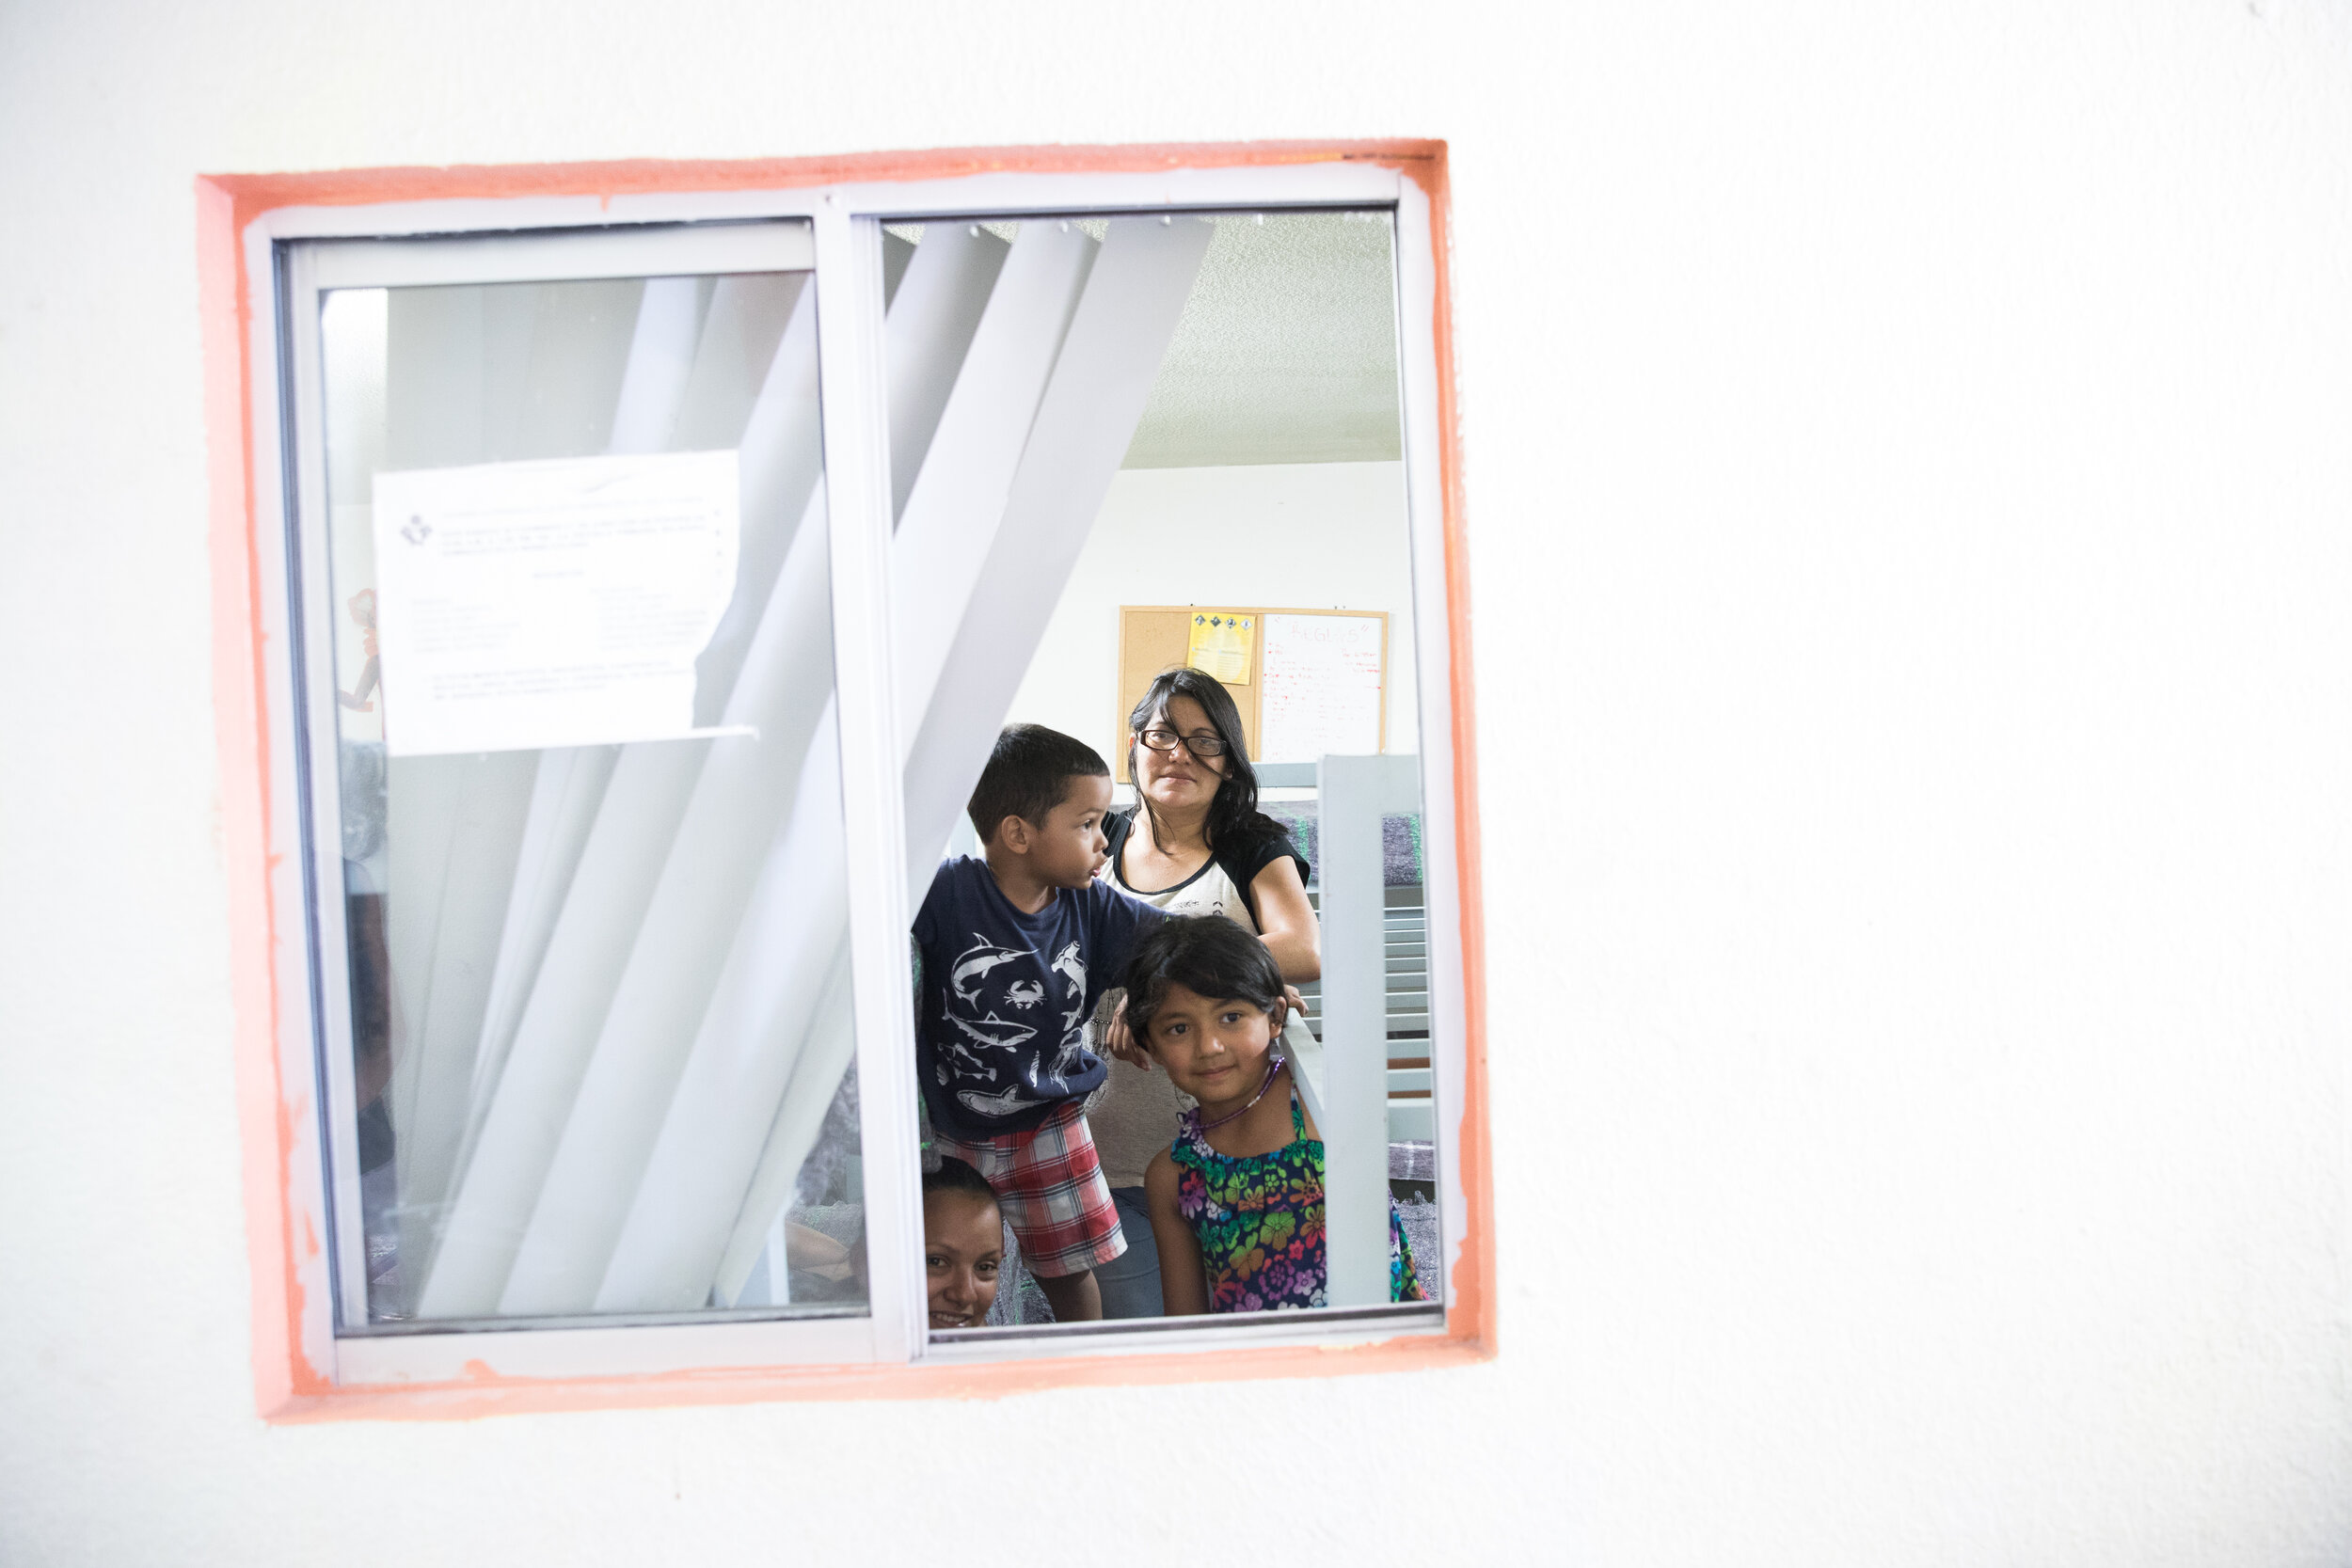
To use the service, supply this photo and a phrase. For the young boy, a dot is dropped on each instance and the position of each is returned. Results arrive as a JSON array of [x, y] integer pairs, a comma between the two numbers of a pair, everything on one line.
[[1016, 950]]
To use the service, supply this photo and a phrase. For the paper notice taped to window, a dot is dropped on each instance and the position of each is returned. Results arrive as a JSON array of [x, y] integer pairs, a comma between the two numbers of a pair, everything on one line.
[[1219, 644], [522, 605]]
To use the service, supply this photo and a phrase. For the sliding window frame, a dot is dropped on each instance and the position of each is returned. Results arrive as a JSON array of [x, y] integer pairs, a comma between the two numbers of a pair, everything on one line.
[[305, 269], [304, 1369]]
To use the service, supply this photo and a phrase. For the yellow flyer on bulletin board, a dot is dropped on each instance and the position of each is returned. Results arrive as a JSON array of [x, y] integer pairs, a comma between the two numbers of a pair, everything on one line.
[[1219, 644]]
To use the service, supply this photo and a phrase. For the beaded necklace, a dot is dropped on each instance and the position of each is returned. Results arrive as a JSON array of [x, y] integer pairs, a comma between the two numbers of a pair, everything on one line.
[[1272, 1067]]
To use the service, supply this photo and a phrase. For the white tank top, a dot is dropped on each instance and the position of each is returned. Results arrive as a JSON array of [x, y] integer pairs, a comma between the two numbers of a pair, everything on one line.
[[1208, 890]]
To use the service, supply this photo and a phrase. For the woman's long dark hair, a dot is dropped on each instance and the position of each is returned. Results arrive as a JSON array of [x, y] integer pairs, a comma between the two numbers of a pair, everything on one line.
[[1233, 810]]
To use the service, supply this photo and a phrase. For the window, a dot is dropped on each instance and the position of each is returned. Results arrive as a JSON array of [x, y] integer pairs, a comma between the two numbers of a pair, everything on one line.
[[642, 581]]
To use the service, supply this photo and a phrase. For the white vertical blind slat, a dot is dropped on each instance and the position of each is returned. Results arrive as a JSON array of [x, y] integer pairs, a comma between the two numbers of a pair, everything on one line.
[[1135, 293], [768, 1000], [741, 793], [946, 287], [957, 503]]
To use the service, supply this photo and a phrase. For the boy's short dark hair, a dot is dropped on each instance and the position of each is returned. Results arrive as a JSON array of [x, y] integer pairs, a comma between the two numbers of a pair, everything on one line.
[[1028, 775], [1206, 954]]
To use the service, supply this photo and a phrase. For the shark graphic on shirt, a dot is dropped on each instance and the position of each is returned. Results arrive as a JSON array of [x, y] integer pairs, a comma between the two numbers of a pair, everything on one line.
[[974, 963], [988, 1057], [996, 1032], [1074, 969], [1002, 1103]]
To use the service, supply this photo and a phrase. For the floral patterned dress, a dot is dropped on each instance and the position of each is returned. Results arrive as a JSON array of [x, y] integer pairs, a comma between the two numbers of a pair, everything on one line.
[[1258, 1220]]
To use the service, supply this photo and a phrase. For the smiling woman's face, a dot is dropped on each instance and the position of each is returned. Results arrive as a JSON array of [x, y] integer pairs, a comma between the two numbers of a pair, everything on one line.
[[1177, 780], [963, 1246]]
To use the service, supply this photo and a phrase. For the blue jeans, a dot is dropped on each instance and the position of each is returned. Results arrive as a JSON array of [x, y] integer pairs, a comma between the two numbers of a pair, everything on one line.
[[1130, 1282]]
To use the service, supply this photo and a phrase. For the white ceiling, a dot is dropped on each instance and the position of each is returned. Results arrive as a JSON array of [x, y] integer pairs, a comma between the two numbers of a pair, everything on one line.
[[1287, 349]]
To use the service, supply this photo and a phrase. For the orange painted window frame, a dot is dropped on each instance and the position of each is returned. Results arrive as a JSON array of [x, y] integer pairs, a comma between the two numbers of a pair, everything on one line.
[[288, 1387]]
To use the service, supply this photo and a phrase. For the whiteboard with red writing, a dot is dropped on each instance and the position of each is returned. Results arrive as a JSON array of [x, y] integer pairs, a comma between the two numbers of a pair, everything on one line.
[[1322, 691]]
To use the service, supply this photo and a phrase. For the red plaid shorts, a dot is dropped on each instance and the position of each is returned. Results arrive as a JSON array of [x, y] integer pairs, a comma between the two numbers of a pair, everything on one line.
[[1050, 1185]]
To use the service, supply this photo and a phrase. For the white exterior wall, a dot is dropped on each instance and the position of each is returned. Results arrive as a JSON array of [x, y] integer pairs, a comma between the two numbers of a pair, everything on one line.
[[1911, 513], [1286, 535]]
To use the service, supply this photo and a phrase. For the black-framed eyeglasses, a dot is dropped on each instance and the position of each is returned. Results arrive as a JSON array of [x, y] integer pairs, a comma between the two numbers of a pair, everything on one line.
[[1199, 745]]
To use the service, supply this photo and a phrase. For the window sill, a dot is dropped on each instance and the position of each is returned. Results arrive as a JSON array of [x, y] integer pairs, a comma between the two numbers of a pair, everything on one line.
[[1005, 1363]]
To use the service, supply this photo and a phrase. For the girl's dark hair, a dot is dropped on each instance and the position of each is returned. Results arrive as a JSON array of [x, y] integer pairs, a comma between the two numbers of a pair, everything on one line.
[[1233, 812], [954, 1176], [1206, 954]]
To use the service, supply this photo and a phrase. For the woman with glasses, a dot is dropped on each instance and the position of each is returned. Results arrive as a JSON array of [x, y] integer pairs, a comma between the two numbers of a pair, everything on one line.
[[1196, 843]]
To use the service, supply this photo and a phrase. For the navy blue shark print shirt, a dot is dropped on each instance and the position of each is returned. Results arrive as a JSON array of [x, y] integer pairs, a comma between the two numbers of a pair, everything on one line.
[[1000, 1028]]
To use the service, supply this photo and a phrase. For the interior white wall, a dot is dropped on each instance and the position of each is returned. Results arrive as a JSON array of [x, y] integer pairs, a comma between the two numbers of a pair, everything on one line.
[[1289, 535], [1907, 482]]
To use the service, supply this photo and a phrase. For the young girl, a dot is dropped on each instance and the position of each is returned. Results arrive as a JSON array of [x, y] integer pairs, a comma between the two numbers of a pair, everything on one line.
[[1237, 1203]]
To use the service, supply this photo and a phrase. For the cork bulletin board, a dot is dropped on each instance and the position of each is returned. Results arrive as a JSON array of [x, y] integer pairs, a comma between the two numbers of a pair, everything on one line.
[[1317, 679]]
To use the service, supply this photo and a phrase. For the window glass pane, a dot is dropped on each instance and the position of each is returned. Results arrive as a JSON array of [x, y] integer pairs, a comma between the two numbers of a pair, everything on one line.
[[592, 869], [1124, 447]]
